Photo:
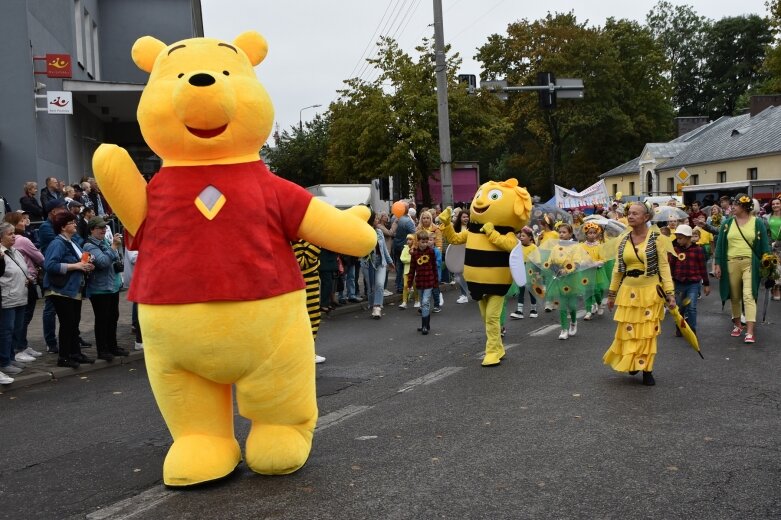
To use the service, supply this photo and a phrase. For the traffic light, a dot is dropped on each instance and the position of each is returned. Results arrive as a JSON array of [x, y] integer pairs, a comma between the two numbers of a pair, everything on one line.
[[547, 97], [470, 80]]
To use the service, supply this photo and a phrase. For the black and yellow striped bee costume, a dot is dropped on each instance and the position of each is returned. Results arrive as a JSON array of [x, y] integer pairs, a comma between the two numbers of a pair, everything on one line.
[[308, 257]]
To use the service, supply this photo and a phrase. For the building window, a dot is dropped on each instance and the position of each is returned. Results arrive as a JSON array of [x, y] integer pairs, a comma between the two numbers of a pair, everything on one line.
[[631, 188], [90, 65], [95, 50], [79, 32], [752, 174], [615, 189], [695, 179], [721, 176], [670, 185]]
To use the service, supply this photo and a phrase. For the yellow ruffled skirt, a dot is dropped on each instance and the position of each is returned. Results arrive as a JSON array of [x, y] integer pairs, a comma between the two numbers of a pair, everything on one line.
[[638, 311]]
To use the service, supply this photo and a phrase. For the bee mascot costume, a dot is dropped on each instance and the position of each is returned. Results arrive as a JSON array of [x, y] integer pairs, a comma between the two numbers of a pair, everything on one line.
[[221, 297], [498, 211]]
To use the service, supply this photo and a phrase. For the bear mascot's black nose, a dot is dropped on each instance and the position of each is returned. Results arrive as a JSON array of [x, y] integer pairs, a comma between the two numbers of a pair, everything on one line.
[[201, 80]]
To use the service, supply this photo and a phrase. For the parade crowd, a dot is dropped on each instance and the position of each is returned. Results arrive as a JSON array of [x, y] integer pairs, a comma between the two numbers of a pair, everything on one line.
[[59, 245], [634, 259]]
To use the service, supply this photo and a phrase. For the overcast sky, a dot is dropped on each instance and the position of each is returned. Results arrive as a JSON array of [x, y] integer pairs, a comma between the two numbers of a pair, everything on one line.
[[314, 45]]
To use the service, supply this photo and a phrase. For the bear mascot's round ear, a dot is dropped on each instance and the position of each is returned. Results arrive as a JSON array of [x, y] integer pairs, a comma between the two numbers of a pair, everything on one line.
[[145, 52], [254, 46]]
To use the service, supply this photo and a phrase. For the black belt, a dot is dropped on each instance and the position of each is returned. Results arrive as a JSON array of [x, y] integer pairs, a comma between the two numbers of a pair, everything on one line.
[[635, 273]]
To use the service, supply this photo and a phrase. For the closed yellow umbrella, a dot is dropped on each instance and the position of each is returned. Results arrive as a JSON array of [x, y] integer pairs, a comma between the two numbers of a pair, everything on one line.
[[680, 322]]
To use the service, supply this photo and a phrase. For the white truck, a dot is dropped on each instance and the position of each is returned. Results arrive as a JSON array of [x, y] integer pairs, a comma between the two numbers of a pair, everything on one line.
[[344, 196]]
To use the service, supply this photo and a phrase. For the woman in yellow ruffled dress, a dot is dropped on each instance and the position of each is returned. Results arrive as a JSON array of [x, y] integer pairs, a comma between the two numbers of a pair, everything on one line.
[[641, 265]]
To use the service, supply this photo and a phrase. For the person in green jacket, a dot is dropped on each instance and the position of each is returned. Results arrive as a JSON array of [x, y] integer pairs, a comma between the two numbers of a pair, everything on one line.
[[742, 241]]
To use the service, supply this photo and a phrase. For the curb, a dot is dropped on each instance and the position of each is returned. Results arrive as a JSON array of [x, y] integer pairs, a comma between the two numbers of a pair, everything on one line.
[[51, 372]]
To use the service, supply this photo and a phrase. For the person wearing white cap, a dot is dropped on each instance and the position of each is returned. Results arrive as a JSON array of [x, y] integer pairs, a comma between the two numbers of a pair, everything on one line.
[[687, 267]]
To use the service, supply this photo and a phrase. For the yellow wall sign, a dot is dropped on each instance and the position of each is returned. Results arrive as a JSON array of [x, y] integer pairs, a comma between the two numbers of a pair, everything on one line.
[[682, 176]]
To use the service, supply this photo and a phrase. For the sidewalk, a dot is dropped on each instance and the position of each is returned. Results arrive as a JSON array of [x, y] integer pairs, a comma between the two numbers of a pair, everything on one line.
[[45, 369]]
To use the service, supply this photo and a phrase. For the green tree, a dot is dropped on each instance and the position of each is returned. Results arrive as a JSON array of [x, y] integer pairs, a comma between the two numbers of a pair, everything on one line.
[[736, 48], [626, 101], [299, 155], [772, 65], [682, 34], [388, 127]]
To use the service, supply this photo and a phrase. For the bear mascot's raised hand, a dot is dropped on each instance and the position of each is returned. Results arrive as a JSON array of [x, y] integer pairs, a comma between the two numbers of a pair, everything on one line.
[[221, 298], [498, 211]]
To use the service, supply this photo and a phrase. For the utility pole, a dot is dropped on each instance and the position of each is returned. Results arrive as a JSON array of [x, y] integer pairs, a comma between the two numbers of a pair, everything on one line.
[[445, 162]]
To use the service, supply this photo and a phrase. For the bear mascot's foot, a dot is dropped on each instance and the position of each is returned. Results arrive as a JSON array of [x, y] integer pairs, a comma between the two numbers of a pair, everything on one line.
[[195, 459], [275, 449]]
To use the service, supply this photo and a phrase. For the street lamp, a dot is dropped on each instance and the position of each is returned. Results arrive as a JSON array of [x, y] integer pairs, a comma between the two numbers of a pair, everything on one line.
[[300, 124]]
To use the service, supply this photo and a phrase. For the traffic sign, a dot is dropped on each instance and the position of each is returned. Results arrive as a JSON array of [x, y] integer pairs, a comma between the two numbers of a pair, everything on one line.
[[682, 176]]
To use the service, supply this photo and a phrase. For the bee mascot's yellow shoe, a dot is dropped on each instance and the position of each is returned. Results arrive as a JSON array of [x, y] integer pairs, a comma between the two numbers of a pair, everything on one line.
[[499, 210], [221, 297]]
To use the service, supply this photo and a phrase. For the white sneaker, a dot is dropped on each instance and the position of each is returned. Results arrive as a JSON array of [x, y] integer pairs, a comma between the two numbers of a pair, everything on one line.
[[533, 312], [441, 300], [376, 313], [573, 328], [402, 306], [386, 292], [24, 358], [417, 305], [516, 315], [319, 359], [587, 317], [563, 334], [138, 346], [548, 308], [462, 299], [600, 310], [594, 308], [5, 379], [32, 352]]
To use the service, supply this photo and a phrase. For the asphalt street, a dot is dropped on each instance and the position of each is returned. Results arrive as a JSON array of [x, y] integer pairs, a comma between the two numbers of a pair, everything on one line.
[[413, 427]]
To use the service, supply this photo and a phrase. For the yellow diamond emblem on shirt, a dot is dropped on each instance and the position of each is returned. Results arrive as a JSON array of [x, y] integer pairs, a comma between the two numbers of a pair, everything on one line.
[[210, 201]]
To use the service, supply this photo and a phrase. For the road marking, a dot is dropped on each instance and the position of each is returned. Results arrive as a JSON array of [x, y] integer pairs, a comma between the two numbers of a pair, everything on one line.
[[134, 506], [340, 415], [544, 330], [429, 378]]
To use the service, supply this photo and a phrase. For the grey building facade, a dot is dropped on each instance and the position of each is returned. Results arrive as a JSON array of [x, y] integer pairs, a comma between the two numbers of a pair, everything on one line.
[[105, 84]]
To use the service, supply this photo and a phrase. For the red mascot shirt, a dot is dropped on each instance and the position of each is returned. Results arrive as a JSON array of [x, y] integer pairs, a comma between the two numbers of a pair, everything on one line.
[[242, 253]]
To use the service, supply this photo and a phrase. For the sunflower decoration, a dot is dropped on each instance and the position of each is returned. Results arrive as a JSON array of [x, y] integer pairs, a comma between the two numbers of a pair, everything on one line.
[[584, 281], [716, 220], [423, 259], [557, 225], [565, 289], [769, 266], [546, 265], [744, 199], [539, 290], [591, 226], [681, 256]]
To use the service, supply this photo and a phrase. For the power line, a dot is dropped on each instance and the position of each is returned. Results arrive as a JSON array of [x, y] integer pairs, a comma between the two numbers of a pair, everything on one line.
[[500, 2], [371, 39]]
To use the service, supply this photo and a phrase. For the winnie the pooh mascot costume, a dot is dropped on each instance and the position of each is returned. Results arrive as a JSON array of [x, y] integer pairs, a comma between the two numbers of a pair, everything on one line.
[[221, 297], [498, 211]]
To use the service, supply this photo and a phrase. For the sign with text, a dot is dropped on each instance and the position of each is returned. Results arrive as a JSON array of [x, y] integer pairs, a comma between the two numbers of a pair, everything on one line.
[[594, 194], [58, 66], [59, 102]]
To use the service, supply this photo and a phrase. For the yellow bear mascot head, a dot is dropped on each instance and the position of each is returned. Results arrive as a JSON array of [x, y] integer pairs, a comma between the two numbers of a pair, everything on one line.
[[203, 101]]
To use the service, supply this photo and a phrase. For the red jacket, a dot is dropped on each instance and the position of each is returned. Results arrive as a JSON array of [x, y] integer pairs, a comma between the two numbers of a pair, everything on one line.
[[423, 269], [242, 253]]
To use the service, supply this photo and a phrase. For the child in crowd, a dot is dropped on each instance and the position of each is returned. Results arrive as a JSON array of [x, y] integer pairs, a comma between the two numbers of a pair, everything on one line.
[[526, 237], [424, 274], [598, 280], [566, 285], [687, 266], [405, 259]]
